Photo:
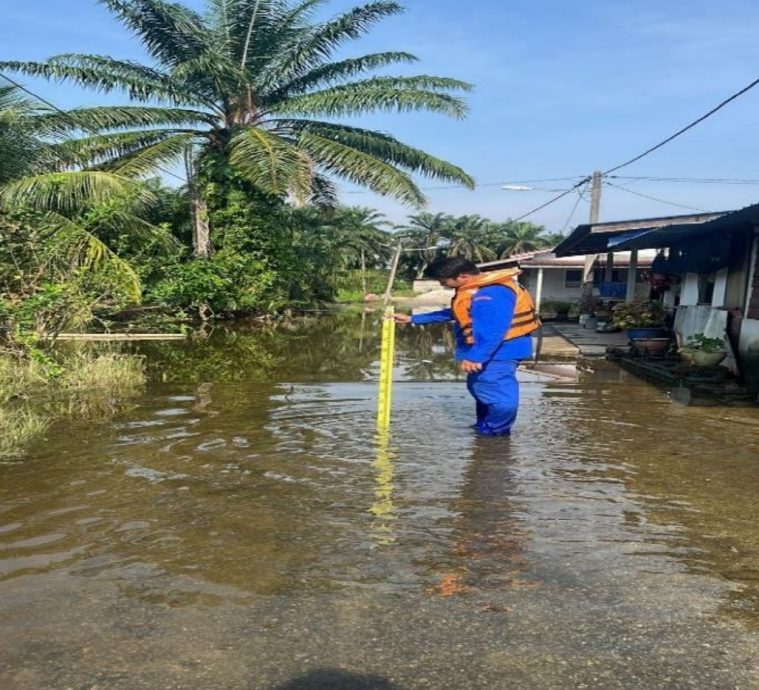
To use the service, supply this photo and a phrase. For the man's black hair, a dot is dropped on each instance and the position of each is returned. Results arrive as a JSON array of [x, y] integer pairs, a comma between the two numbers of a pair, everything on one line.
[[452, 267]]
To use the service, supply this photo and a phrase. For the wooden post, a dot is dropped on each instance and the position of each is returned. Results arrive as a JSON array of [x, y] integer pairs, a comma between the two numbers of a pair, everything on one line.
[[393, 271]]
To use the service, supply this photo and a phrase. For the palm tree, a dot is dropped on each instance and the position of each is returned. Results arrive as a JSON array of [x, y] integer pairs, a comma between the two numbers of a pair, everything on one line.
[[253, 84], [521, 237], [423, 236], [468, 238], [44, 207]]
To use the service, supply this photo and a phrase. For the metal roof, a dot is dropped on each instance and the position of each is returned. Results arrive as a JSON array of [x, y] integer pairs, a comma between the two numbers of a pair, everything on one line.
[[666, 237], [595, 238]]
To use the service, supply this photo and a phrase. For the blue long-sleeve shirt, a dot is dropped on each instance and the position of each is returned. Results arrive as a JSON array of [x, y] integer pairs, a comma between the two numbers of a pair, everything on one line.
[[492, 312]]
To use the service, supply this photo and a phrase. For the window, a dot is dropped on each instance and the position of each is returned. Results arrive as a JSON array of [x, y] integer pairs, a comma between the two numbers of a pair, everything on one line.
[[706, 287], [573, 278]]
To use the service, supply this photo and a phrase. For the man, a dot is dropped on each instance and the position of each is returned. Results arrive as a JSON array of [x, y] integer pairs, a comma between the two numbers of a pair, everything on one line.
[[493, 320]]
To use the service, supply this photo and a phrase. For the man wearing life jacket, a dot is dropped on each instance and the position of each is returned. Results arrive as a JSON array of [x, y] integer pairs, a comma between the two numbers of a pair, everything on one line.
[[494, 318]]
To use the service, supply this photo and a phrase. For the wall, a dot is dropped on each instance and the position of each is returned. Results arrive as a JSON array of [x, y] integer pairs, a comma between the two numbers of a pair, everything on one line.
[[553, 285]]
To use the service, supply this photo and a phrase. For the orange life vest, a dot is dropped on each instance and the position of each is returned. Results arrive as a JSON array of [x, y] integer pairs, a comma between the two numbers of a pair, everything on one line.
[[525, 318]]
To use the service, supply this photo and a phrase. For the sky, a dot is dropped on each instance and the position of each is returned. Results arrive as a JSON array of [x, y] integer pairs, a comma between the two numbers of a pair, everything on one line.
[[562, 88]]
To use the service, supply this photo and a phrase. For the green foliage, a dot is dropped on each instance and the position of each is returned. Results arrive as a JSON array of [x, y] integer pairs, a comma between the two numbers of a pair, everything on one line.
[[701, 342], [252, 83], [641, 314], [432, 236]]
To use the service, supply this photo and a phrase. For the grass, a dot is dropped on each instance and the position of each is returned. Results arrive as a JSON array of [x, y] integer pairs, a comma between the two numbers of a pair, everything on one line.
[[35, 392], [19, 428]]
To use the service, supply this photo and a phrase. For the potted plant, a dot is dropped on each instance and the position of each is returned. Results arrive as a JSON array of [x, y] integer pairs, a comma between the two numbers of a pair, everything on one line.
[[642, 319], [703, 351]]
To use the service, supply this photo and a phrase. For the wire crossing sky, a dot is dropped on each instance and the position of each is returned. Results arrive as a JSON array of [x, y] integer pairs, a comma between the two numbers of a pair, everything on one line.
[[563, 87]]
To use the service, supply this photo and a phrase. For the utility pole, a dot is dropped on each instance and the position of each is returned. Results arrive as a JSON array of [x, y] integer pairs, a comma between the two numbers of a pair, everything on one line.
[[595, 208]]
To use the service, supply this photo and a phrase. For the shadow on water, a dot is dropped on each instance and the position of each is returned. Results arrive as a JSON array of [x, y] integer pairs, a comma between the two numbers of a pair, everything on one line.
[[331, 679]]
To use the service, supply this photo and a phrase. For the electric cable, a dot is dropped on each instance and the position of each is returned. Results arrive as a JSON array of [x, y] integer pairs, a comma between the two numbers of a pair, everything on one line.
[[653, 198], [683, 130]]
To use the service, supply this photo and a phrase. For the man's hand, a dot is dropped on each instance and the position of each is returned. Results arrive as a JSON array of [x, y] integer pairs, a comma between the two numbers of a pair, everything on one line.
[[402, 318], [470, 367]]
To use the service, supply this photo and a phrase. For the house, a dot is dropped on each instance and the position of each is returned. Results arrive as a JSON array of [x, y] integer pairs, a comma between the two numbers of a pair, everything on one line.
[[560, 279], [551, 278], [711, 266]]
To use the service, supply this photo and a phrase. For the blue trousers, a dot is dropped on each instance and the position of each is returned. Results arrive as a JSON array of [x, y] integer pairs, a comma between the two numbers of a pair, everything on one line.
[[496, 391]]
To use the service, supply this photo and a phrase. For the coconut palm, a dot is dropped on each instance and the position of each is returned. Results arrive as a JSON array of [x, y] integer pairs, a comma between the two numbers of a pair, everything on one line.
[[254, 84]]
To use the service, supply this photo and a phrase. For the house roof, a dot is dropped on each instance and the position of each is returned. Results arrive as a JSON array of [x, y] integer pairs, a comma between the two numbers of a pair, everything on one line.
[[548, 259], [595, 238], [746, 217]]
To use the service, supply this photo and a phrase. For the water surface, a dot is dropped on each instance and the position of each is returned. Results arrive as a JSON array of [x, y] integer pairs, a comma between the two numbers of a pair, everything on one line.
[[241, 526]]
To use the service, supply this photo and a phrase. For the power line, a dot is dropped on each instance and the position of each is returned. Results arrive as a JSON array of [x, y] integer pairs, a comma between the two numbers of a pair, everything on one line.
[[554, 200], [573, 211], [653, 198], [73, 119], [688, 180], [684, 129]]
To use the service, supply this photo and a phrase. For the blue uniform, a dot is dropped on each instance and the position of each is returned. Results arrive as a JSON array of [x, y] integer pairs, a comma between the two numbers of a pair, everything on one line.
[[495, 387]]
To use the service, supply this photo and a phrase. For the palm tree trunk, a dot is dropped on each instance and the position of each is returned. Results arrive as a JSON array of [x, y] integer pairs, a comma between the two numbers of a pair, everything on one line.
[[201, 230]]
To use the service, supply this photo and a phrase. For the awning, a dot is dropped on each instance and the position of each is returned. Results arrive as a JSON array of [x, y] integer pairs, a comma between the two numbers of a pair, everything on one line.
[[674, 235], [594, 238]]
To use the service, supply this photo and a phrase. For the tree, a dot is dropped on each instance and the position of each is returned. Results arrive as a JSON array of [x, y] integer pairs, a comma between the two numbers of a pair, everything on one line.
[[50, 217], [253, 84], [521, 237], [423, 236], [468, 238]]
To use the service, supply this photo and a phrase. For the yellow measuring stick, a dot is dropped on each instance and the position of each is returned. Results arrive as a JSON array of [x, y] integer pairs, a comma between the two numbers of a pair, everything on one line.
[[387, 360]]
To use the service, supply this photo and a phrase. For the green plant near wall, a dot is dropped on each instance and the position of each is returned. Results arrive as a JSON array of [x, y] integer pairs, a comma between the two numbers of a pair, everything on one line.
[[641, 314], [699, 341]]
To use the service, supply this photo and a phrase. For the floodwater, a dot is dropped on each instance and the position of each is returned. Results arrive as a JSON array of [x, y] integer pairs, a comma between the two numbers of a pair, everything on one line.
[[241, 527]]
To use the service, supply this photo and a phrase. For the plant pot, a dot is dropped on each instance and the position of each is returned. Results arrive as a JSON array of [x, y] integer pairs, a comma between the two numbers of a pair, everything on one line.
[[652, 346], [642, 333], [708, 359], [686, 355]]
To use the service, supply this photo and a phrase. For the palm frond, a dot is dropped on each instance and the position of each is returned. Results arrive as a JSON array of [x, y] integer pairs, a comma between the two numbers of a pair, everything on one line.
[[89, 152], [171, 33], [114, 117], [399, 94], [74, 247], [68, 193], [337, 71], [386, 148], [361, 168], [306, 48], [148, 159], [271, 163], [106, 75]]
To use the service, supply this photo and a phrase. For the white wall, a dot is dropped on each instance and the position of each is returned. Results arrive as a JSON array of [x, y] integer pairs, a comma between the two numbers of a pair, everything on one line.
[[553, 285]]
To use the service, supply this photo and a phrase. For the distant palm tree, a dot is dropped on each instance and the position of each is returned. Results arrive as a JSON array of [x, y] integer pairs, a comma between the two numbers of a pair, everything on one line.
[[468, 238], [518, 238], [246, 84], [423, 237]]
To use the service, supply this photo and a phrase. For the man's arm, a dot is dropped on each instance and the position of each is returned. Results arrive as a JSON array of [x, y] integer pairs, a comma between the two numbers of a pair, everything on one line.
[[441, 316], [492, 312]]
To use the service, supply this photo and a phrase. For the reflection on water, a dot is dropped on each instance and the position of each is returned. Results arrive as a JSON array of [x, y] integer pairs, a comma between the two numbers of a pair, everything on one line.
[[251, 472]]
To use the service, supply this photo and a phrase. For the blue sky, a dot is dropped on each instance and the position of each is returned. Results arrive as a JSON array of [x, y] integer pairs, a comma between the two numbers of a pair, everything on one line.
[[563, 87]]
